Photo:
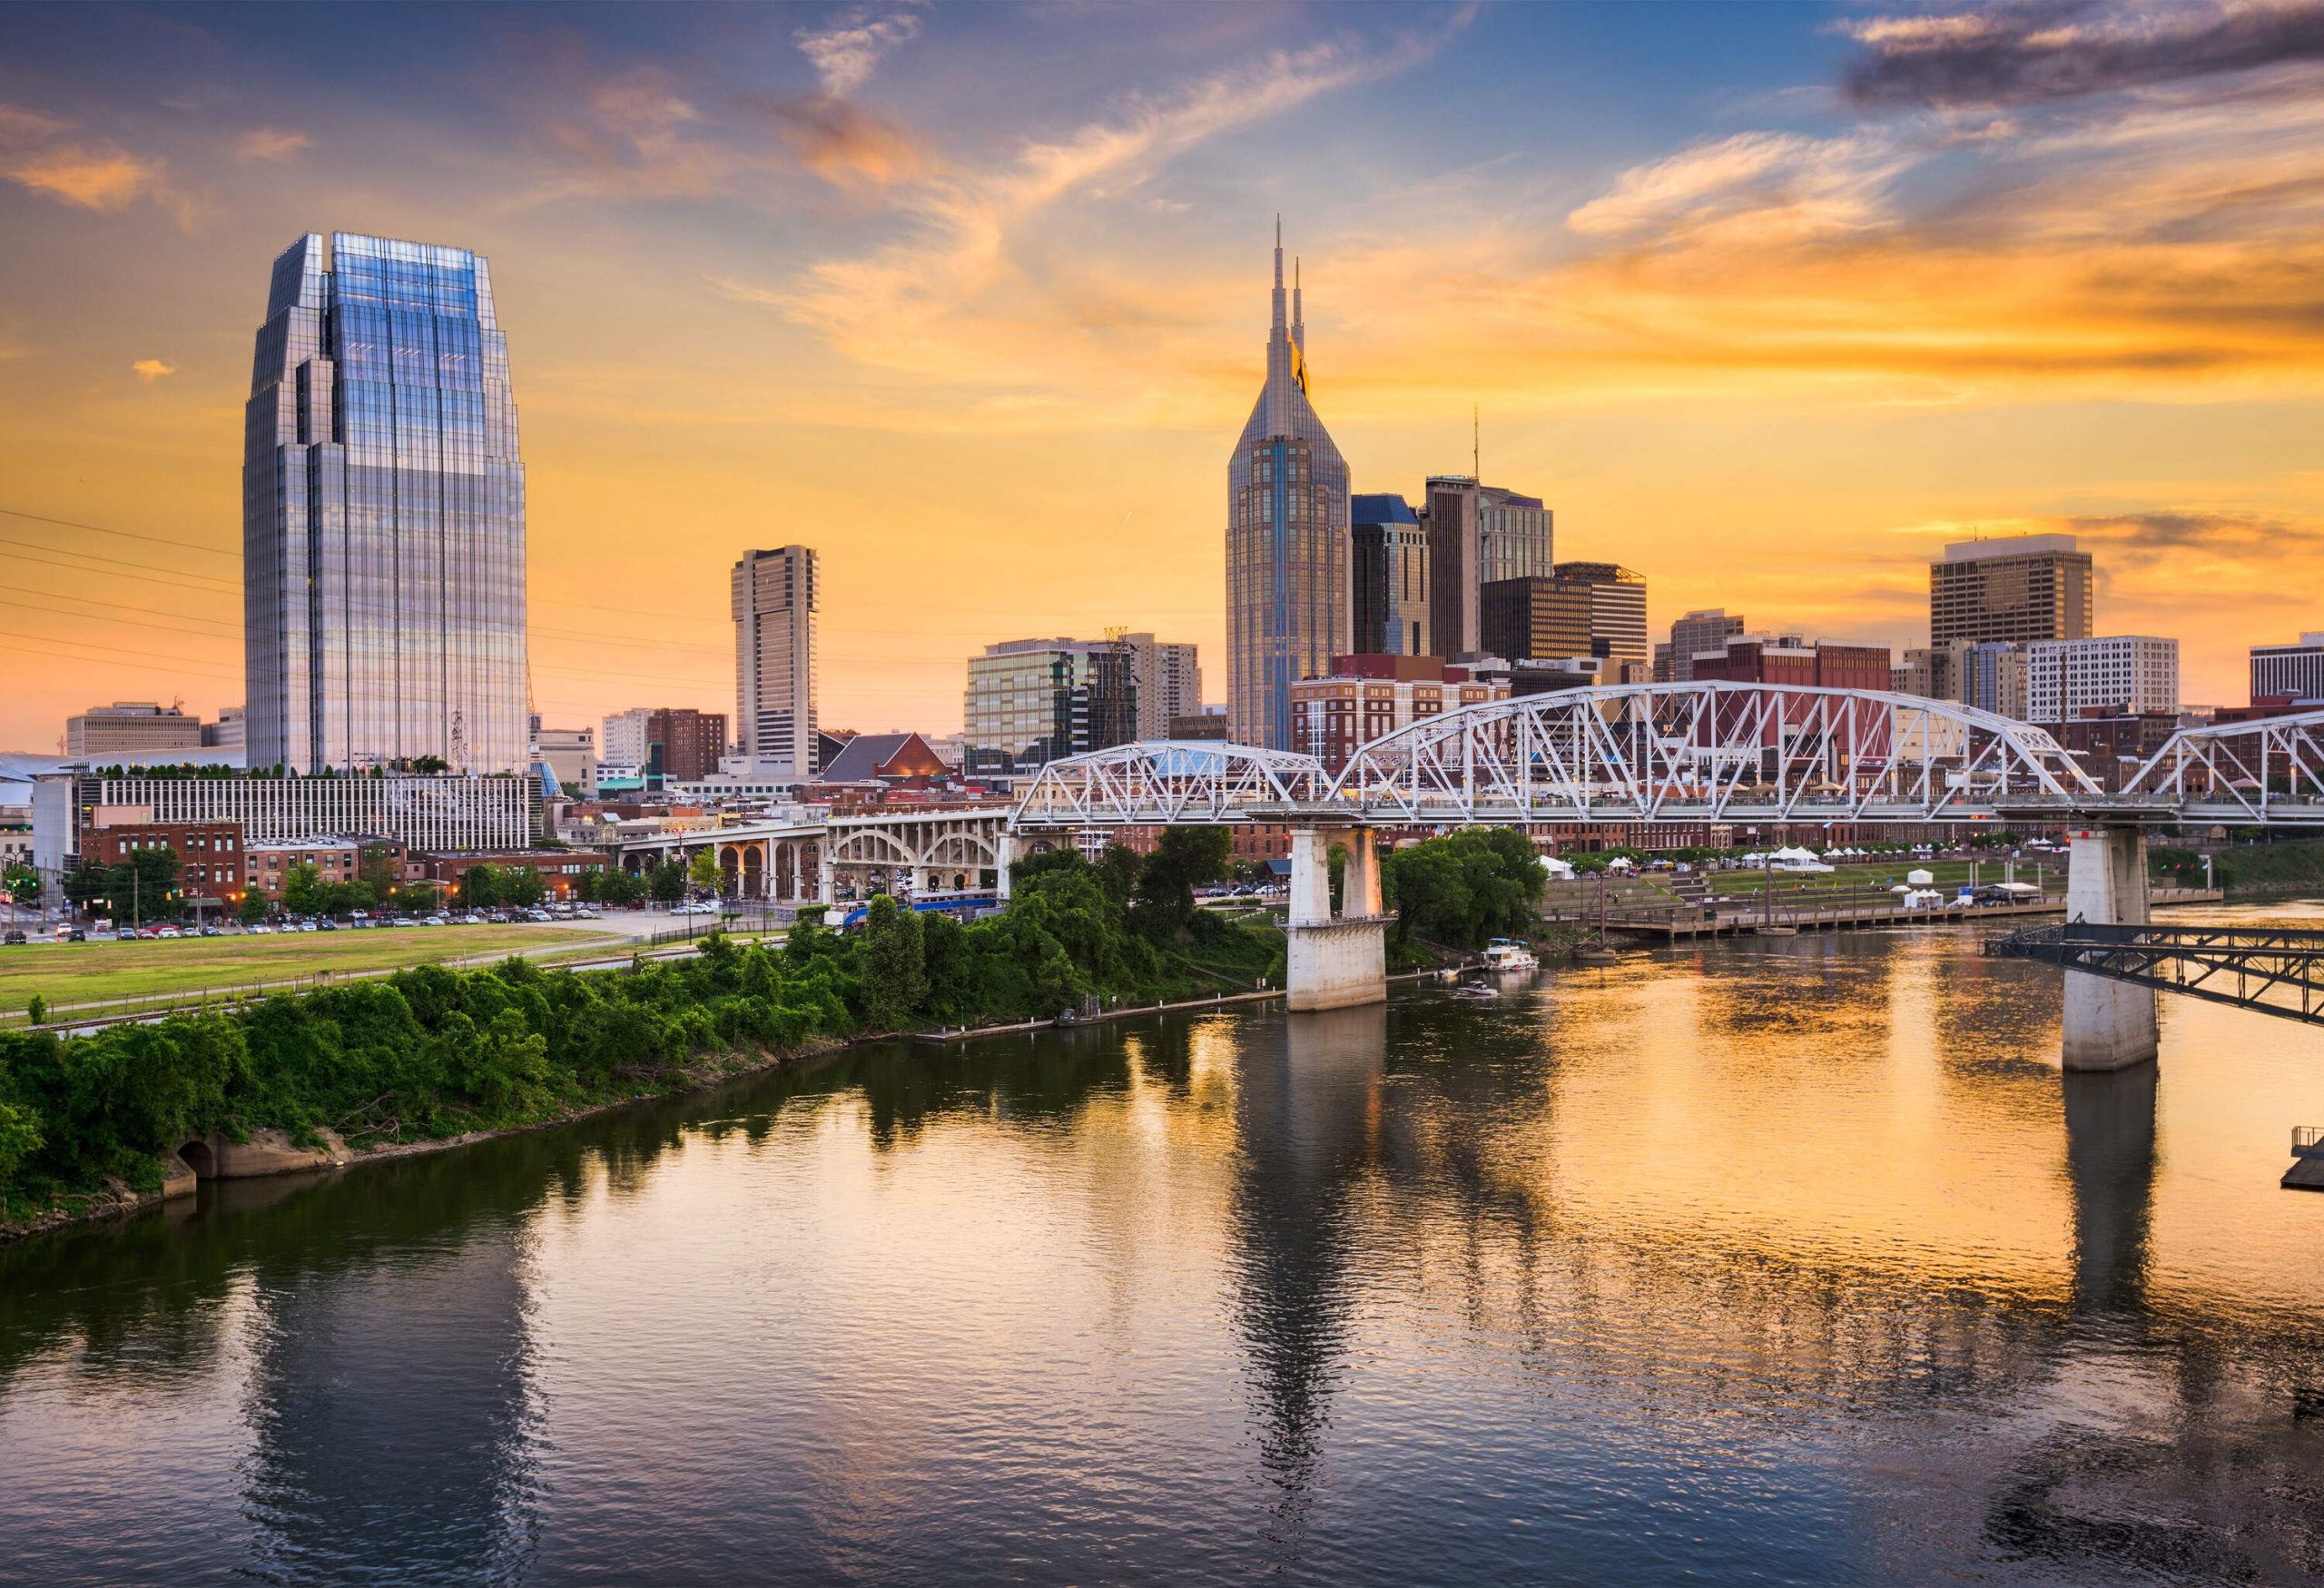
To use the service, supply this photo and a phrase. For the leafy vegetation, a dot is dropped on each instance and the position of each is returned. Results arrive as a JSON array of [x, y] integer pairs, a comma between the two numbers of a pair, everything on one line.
[[2291, 869], [1462, 889], [425, 1053]]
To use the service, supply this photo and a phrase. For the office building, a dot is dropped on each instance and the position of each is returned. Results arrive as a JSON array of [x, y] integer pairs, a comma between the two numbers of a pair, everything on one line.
[[494, 811], [1286, 540], [2129, 673], [1479, 535], [1209, 724], [1617, 615], [775, 603], [383, 515], [1032, 701], [2021, 589], [571, 754], [1364, 697], [2295, 670], [1534, 619], [1168, 675], [209, 856], [226, 732], [1705, 629], [130, 729], [666, 743], [1992, 678], [1387, 577]]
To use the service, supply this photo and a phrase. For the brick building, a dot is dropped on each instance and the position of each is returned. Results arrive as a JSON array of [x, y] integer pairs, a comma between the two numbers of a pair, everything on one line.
[[210, 854], [1365, 696]]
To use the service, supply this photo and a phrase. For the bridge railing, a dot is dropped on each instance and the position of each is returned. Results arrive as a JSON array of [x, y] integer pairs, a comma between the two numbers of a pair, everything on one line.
[[2270, 768]]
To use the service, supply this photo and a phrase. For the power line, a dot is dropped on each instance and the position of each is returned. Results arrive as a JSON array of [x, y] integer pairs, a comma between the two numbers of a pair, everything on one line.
[[83, 617], [81, 652], [124, 534], [117, 562]]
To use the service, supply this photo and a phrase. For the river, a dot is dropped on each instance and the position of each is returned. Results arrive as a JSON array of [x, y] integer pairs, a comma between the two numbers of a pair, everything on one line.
[[1781, 1261]]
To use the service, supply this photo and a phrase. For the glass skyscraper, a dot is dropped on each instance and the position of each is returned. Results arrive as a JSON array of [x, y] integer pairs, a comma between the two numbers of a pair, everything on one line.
[[1286, 542], [383, 515]]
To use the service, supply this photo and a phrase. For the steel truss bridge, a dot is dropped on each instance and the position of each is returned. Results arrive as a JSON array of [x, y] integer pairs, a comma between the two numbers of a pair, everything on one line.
[[1707, 752], [2279, 972]]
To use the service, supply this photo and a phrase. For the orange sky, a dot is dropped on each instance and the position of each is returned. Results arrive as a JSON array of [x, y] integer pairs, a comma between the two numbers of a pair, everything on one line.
[[973, 301]]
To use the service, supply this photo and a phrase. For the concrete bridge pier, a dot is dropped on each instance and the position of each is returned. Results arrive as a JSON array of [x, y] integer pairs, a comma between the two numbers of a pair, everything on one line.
[[2109, 1024], [1335, 960]]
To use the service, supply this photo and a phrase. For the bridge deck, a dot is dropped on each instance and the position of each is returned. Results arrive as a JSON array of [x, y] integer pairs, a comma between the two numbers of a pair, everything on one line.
[[2274, 970]]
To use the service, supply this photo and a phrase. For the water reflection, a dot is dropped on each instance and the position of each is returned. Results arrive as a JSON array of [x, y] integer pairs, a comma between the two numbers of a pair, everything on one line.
[[1794, 1260]]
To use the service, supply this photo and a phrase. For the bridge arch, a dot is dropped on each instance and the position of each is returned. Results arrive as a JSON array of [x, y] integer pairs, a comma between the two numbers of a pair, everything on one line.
[[1168, 782]]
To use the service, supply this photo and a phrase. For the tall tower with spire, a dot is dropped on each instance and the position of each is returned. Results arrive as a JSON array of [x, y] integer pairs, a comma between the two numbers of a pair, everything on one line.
[[1286, 540]]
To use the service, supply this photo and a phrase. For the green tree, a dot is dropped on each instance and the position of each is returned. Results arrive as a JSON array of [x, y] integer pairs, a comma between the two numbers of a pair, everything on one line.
[[895, 980], [36, 1008], [703, 873], [1184, 859], [521, 885], [420, 898], [480, 887], [1464, 888], [667, 881], [377, 868], [254, 907], [304, 891]]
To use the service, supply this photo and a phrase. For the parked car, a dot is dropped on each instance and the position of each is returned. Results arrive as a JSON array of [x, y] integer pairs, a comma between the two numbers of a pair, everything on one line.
[[211, 932], [12, 936]]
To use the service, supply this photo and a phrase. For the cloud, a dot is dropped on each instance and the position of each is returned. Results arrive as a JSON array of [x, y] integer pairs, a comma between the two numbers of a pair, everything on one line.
[[271, 143], [845, 143], [847, 49], [34, 154], [2035, 51], [1779, 182], [151, 369], [969, 294]]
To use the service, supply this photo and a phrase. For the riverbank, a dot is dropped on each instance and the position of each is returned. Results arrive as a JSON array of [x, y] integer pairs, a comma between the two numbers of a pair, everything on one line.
[[118, 1200]]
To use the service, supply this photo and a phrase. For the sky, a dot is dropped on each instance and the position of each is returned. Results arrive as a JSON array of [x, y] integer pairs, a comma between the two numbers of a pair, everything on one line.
[[1768, 302]]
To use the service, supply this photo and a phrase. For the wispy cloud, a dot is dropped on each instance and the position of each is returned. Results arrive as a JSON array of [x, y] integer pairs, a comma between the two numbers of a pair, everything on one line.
[[966, 296], [2029, 50], [36, 153], [151, 369], [271, 143], [849, 47]]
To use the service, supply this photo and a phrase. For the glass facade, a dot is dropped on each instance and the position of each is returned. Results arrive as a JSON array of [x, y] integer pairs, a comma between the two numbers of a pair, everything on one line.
[[383, 514], [1033, 700], [1286, 542], [1388, 577]]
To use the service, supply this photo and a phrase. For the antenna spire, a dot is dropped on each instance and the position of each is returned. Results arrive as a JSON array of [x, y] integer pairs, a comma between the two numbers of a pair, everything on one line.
[[1476, 434]]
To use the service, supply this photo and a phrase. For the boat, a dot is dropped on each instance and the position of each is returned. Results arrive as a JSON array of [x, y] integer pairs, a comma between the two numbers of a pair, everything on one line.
[[1503, 953], [1475, 989]]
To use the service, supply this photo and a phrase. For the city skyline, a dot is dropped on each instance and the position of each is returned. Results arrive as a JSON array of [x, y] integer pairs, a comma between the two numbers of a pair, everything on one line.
[[1056, 297]]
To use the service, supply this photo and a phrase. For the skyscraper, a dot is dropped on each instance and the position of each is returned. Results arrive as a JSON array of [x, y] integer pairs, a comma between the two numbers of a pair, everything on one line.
[[1388, 577], [1693, 633], [1479, 535], [1287, 541], [2020, 588], [1167, 676], [383, 514], [774, 605]]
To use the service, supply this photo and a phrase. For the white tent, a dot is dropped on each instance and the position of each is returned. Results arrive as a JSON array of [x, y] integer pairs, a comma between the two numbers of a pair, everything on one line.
[[1920, 879], [1560, 870], [1621, 862]]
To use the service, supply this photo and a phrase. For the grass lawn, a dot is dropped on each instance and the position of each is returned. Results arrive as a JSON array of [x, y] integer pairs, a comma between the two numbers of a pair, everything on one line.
[[83, 972]]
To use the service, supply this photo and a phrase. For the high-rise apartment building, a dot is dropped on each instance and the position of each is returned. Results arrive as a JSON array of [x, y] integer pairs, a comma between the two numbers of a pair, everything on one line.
[[2020, 588], [1286, 540], [383, 514], [1388, 577], [2297, 671], [1167, 674], [1993, 677], [775, 603], [130, 727], [1030, 702], [1693, 633], [1479, 535], [2126, 673]]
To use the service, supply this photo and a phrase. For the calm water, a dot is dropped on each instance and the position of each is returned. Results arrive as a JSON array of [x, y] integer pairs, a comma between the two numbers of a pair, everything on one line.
[[1787, 1262]]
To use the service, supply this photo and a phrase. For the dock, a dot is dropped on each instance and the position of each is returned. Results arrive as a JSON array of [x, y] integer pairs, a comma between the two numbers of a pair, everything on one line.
[[2307, 1171], [1682, 920]]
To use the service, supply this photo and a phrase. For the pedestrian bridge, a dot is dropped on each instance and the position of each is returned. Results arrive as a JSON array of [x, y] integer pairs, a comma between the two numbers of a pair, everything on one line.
[[1696, 753], [1711, 751]]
